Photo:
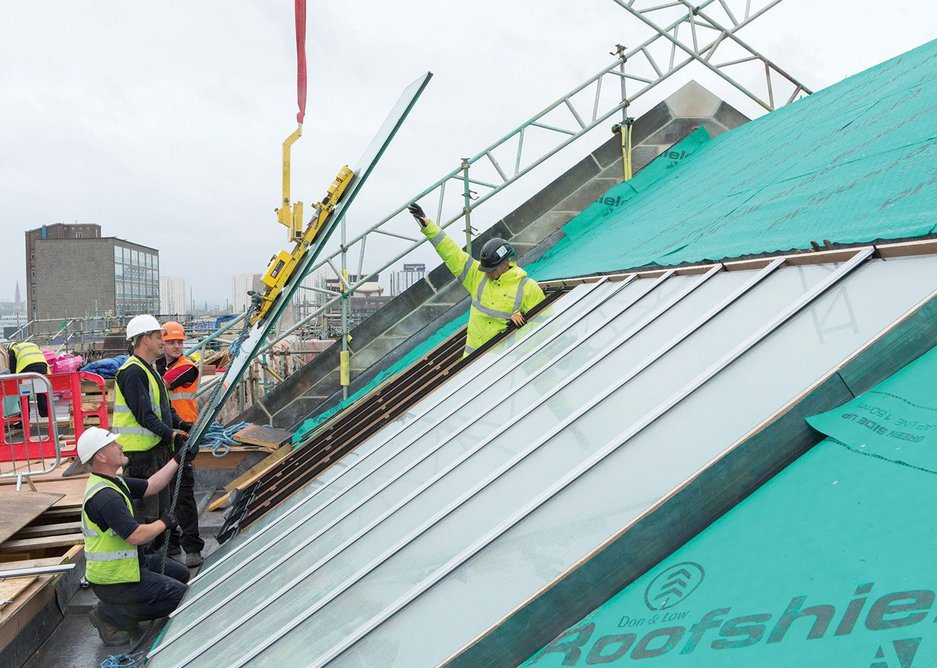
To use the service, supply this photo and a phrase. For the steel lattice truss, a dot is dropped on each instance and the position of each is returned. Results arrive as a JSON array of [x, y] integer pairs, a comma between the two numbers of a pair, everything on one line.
[[683, 33]]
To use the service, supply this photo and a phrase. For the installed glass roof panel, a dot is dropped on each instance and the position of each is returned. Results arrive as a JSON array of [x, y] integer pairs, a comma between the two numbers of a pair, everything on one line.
[[429, 412], [482, 458], [554, 536]]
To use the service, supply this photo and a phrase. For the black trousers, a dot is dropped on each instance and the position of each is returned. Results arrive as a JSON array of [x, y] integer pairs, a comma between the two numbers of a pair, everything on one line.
[[42, 399], [154, 596], [150, 508], [186, 536]]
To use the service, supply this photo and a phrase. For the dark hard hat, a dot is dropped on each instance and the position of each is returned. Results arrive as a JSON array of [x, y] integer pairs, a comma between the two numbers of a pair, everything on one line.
[[494, 252]]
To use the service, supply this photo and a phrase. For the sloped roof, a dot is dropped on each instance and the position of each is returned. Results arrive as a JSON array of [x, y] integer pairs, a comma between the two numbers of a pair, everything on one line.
[[846, 531], [851, 163], [503, 478]]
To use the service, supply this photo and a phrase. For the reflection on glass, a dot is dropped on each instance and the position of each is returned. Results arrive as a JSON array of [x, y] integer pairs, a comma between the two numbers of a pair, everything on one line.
[[584, 515]]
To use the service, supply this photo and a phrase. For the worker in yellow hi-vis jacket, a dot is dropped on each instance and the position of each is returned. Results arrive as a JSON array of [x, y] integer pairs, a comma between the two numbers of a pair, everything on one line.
[[500, 290]]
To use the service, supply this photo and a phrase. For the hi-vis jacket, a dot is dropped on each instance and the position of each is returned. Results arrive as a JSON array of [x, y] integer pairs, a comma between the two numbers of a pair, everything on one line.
[[109, 558], [182, 398], [27, 353], [493, 302], [134, 437]]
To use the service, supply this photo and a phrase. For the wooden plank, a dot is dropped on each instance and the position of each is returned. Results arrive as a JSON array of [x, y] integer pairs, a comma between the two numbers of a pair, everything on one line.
[[35, 544], [10, 588], [17, 509], [905, 248], [62, 512], [48, 530], [72, 489], [251, 475], [32, 563], [15, 617], [264, 436]]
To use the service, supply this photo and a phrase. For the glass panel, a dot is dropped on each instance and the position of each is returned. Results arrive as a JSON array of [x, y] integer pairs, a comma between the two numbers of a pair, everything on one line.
[[637, 475], [466, 476], [363, 470], [118, 256], [555, 536], [535, 333]]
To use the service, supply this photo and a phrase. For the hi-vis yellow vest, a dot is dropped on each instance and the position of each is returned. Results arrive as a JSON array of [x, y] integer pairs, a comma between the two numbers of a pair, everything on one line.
[[28, 353], [132, 436], [493, 302], [109, 558]]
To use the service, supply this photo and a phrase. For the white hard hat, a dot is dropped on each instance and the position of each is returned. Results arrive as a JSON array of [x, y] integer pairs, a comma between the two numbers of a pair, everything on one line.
[[92, 440], [142, 324]]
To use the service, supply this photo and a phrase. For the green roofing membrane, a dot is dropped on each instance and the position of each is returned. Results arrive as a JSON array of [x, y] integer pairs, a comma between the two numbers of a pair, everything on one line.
[[852, 163], [855, 162], [828, 564]]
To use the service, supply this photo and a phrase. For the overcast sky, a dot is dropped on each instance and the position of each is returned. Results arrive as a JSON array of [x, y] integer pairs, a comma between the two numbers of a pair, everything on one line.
[[162, 121]]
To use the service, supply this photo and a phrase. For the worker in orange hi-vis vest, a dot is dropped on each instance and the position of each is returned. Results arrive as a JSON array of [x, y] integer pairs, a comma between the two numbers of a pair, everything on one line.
[[181, 377]]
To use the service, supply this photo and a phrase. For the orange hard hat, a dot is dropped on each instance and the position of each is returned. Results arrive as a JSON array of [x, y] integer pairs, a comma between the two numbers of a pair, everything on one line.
[[172, 331]]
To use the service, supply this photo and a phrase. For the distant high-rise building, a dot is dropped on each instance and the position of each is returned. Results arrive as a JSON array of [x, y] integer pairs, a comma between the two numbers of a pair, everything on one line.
[[16, 298], [400, 281], [172, 296], [73, 271], [240, 285]]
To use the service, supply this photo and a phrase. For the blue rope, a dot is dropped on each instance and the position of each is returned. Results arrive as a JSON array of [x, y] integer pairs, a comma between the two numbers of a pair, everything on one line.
[[220, 438], [123, 660]]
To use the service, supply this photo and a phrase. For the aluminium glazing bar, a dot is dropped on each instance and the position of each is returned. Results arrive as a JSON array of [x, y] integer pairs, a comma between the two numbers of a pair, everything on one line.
[[423, 408], [257, 577], [564, 423], [631, 331], [400, 448], [595, 458], [598, 357]]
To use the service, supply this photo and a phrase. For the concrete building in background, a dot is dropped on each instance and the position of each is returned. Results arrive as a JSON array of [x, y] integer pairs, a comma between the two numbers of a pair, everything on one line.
[[72, 271], [241, 284], [172, 293]]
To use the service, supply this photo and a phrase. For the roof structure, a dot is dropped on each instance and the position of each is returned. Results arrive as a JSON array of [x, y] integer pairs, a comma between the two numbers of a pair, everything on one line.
[[583, 448], [828, 564], [853, 163]]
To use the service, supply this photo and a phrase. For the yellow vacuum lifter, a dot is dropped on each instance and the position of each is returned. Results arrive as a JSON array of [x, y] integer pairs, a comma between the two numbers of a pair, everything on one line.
[[283, 264]]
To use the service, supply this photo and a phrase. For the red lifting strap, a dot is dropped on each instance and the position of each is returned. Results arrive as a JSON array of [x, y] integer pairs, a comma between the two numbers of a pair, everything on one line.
[[301, 59]]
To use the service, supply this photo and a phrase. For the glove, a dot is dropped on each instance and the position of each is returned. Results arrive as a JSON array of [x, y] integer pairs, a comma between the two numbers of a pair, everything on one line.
[[169, 520], [185, 426], [179, 439], [417, 212], [518, 319]]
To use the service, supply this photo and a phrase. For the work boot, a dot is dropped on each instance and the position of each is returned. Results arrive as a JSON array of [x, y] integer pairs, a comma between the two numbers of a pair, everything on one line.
[[193, 559], [111, 636]]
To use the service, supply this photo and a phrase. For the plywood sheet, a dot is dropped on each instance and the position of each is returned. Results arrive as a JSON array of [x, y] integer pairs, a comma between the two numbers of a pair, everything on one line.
[[17, 509], [71, 489], [264, 436], [10, 587]]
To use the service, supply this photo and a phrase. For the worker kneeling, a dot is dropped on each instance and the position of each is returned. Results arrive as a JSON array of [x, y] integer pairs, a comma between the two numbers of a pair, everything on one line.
[[500, 290], [130, 585]]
